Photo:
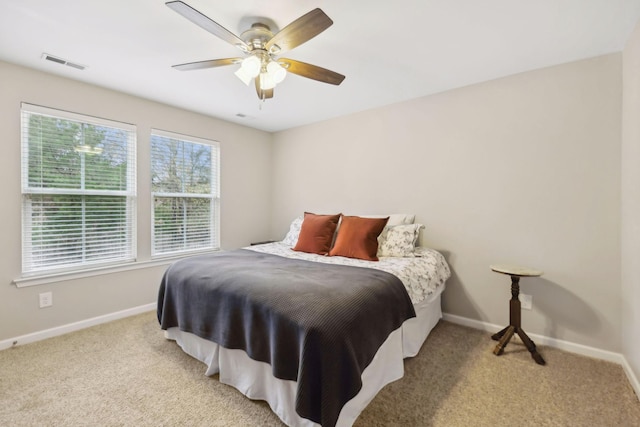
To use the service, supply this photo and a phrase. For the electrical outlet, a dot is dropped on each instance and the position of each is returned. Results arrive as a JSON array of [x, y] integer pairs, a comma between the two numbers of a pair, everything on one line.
[[46, 299], [526, 301]]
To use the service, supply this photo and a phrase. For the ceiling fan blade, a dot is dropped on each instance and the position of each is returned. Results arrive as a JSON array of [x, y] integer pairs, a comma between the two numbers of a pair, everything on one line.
[[206, 23], [211, 63], [311, 71], [263, 94], [299, 31]]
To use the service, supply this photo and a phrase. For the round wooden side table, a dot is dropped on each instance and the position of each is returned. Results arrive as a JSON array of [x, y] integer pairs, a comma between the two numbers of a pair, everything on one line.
[[514, 327]]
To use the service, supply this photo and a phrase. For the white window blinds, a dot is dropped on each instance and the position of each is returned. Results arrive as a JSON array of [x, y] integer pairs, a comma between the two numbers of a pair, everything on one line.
[[185, 191], [78, 191]]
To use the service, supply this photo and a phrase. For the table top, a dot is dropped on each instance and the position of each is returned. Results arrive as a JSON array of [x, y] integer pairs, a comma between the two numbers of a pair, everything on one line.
[[515, 270]]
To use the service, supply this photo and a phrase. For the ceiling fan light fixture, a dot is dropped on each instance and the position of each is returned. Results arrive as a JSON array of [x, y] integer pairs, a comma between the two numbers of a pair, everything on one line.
[[251, 65], [87, 149], [266, 81], [243, 75], [276, 72], [249, 68]]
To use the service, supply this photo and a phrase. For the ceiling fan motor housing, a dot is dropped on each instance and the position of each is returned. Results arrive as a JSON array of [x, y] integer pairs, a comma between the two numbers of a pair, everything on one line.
[[257, 37]]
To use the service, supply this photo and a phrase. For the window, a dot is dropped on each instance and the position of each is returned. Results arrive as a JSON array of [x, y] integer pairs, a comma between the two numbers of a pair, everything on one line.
[[78, 191], [184, 186]]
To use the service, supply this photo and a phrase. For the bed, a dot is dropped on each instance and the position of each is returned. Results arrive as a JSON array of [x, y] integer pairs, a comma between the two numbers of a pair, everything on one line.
[[280, 324]]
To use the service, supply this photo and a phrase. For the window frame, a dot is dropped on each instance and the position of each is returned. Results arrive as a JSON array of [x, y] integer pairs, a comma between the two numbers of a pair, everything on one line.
[[129, 254], [213, 195]]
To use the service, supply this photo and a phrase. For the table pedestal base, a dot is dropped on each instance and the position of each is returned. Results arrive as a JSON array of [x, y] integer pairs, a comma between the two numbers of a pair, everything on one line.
[[505, 334]]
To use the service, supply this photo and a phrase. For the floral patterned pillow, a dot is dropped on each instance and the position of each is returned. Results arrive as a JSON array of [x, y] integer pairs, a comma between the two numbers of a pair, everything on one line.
[[399, 240], [294, 231]]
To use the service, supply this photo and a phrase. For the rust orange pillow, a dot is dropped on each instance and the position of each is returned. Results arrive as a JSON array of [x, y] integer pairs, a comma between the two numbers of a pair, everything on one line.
[[316, 233], [358, 237]]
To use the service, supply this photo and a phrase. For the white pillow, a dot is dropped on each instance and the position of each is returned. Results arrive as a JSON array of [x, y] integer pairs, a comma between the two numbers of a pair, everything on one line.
[[294, 232], [395, 219], [399, 240]]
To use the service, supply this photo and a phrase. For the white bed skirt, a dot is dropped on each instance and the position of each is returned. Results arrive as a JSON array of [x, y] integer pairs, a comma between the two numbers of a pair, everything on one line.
[[255, 380]]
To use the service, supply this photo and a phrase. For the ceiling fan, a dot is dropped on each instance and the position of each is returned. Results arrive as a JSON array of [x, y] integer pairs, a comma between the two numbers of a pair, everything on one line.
[[261, 49]]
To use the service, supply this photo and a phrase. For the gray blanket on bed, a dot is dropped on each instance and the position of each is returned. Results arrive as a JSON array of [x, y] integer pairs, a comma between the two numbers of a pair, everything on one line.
[[317, 324]]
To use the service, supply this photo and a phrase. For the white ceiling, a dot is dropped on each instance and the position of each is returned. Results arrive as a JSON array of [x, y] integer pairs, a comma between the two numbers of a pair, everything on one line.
[[390, 51]]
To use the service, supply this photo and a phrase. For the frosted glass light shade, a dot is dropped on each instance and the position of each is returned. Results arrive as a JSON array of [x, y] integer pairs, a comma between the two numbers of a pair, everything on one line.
[[266, 81], [276, 72], [243, 75], [249, 68], [252, 65]]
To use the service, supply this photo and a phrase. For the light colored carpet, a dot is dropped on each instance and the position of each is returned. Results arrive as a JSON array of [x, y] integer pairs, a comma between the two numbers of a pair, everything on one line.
[[125, 373]]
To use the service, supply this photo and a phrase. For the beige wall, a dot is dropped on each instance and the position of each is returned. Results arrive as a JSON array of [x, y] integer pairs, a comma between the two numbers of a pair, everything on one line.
[[245, 189], [631, 202], [524, 170]]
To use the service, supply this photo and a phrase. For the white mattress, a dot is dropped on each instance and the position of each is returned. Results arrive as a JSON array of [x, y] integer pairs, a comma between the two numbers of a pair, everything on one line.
[[255, 380]]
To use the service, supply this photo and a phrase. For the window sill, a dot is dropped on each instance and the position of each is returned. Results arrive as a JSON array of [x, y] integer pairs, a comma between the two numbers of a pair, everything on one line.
[[44, 279]]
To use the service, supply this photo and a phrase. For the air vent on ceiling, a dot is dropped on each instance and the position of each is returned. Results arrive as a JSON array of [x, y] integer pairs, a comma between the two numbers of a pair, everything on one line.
[[62, 61]]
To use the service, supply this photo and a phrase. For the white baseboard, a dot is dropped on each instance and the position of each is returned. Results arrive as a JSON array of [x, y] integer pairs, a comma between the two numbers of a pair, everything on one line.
[[76, 326], [556, 343], [633, 379]]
